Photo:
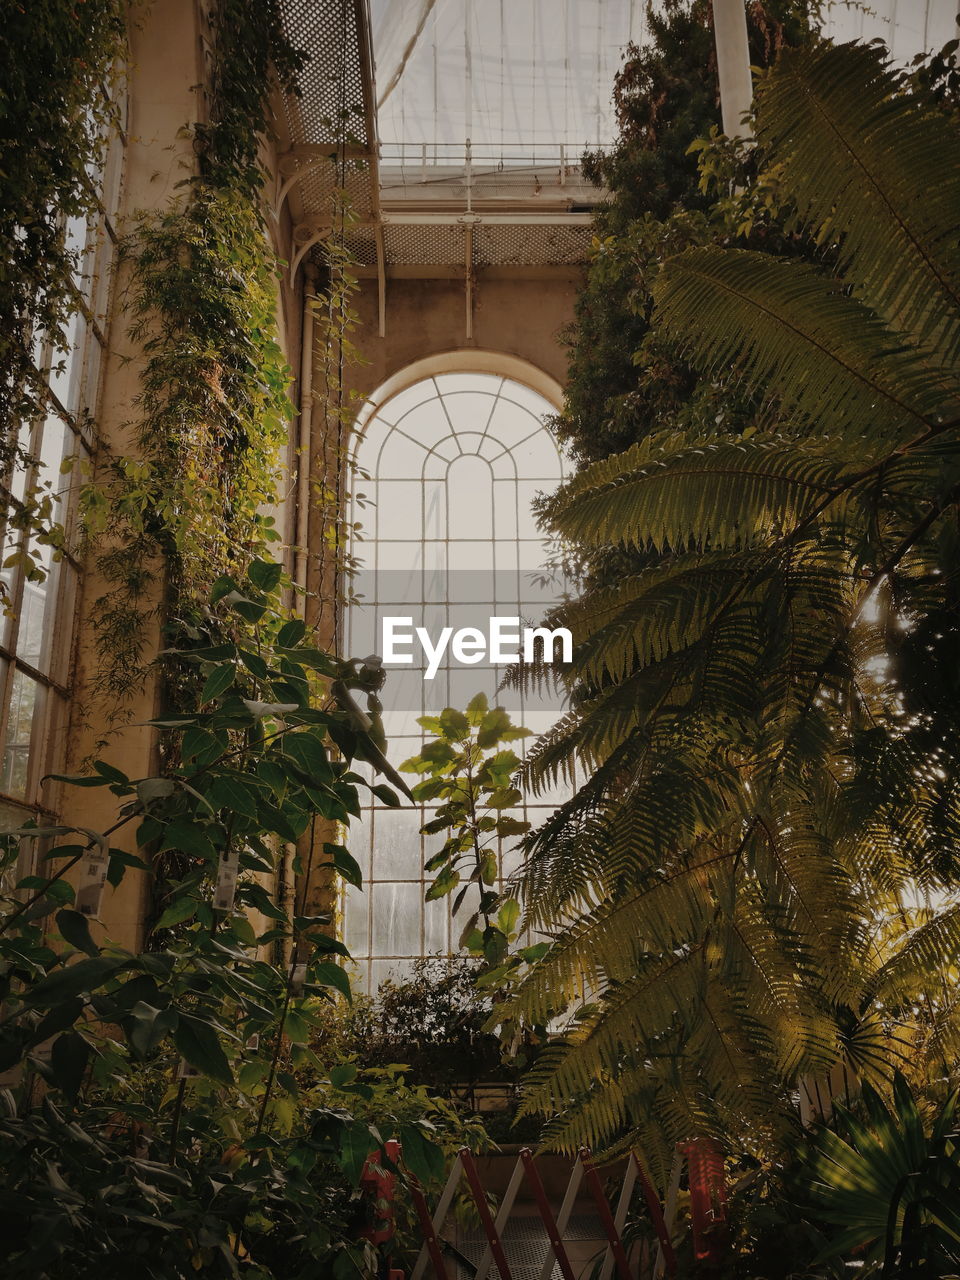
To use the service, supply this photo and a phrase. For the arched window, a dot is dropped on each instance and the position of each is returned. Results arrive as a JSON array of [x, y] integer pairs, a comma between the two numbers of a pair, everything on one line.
[[449, 468]]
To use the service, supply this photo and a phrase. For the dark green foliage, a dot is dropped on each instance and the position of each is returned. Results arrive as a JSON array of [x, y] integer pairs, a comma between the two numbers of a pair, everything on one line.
[[758, 881], [57, 56], [666, 97], [888, 1184], [57, 59], [187, 1122]]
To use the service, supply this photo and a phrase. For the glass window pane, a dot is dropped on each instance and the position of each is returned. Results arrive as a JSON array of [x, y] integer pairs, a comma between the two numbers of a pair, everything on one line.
[[396, 918], [444, 548], [396, 843], [23, 715]]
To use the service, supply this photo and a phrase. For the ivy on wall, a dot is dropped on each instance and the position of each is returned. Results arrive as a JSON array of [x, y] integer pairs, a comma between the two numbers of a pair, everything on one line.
[[188, 505], [57, 59]]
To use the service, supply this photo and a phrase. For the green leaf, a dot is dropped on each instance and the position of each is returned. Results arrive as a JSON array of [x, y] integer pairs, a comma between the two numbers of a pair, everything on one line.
[[511, 827], [189, 837], [177, 912], [423, 1157], [357, 1141], [345, 864], [76, 979], [69, 1056], [453, 724], [199, 1043], [147, 1026], [445, 883], [230, 791], [477, 708], [291, 633], [328, 974], [386, 796], [344, 1074], [508, 915], [218, 681], [75, 929], [265, 574]]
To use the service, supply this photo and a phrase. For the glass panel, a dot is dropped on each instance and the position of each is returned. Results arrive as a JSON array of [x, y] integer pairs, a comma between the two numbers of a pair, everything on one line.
[[67, 365], [396, 842], [34, 639], [356, 925], [537, 457], [395, 929], [427, 425], [401, 458], [399, 509], [451, 383], [404, 401], [23, 714], [470, 493]]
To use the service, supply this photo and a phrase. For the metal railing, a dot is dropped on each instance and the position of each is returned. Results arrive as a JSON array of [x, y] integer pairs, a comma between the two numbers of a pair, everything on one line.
[[432, 169]]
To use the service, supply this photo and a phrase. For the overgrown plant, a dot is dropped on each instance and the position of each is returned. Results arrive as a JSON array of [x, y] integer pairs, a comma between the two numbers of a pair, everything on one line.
[[767, 714], [469, 776], [189, 504], [185, 1072], [58, 63]]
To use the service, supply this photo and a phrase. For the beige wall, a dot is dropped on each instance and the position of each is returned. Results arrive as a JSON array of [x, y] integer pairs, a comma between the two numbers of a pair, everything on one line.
[[517, 313]]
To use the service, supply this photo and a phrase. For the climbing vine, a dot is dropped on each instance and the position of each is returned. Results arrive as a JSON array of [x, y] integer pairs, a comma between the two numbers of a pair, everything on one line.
[[58, 61], [188, 504]]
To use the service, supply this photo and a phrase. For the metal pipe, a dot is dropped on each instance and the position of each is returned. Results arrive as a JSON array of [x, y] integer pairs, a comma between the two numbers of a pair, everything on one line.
[[733, 65], [305, 435]]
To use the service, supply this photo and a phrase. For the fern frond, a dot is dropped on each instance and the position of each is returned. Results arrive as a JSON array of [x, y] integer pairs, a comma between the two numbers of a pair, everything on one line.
[[874, 172], [786, 332]]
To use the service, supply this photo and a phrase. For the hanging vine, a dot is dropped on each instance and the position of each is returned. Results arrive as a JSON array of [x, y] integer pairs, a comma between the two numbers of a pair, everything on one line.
[[187, 506], [58, 60]]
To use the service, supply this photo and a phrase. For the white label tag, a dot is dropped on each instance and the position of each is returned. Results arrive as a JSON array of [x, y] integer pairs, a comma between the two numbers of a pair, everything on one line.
[[225, 890], [93, 877]]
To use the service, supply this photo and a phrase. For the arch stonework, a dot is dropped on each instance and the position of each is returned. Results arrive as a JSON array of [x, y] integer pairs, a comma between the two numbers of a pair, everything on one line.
[[516, 314]]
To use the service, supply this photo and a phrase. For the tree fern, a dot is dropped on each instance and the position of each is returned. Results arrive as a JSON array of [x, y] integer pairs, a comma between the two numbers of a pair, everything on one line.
[[735, 898]]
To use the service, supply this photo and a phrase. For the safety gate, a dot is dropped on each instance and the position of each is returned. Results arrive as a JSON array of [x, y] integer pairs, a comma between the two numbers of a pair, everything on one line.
[[551, 1245]]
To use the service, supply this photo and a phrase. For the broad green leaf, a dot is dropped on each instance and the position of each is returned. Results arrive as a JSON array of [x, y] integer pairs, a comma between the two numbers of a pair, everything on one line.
[[476, 709], [75, 979], [423, 1157], [345, 864], [199, 1043], [508, 915], [328, 974], [218, 681], [69, 1056], [179, 910], [265, 574], [75, 929]]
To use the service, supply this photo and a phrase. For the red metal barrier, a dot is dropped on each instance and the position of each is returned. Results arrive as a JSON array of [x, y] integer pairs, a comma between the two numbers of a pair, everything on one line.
[[708, 1200], [655, 1210]]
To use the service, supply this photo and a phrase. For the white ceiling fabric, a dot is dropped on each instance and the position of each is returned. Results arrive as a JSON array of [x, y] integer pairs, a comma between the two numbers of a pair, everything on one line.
[[907, 27], [510, 73], [500, 72]]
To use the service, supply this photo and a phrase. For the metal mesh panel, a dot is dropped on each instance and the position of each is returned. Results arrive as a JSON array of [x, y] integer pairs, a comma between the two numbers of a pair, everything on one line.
[[316, 188], [362, 245], [542, 244], [525, 1245], [332, 78], [424, 245]]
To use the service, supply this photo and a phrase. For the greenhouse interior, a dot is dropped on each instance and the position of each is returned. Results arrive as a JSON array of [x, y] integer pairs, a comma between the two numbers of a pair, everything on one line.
[[480, 640]]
